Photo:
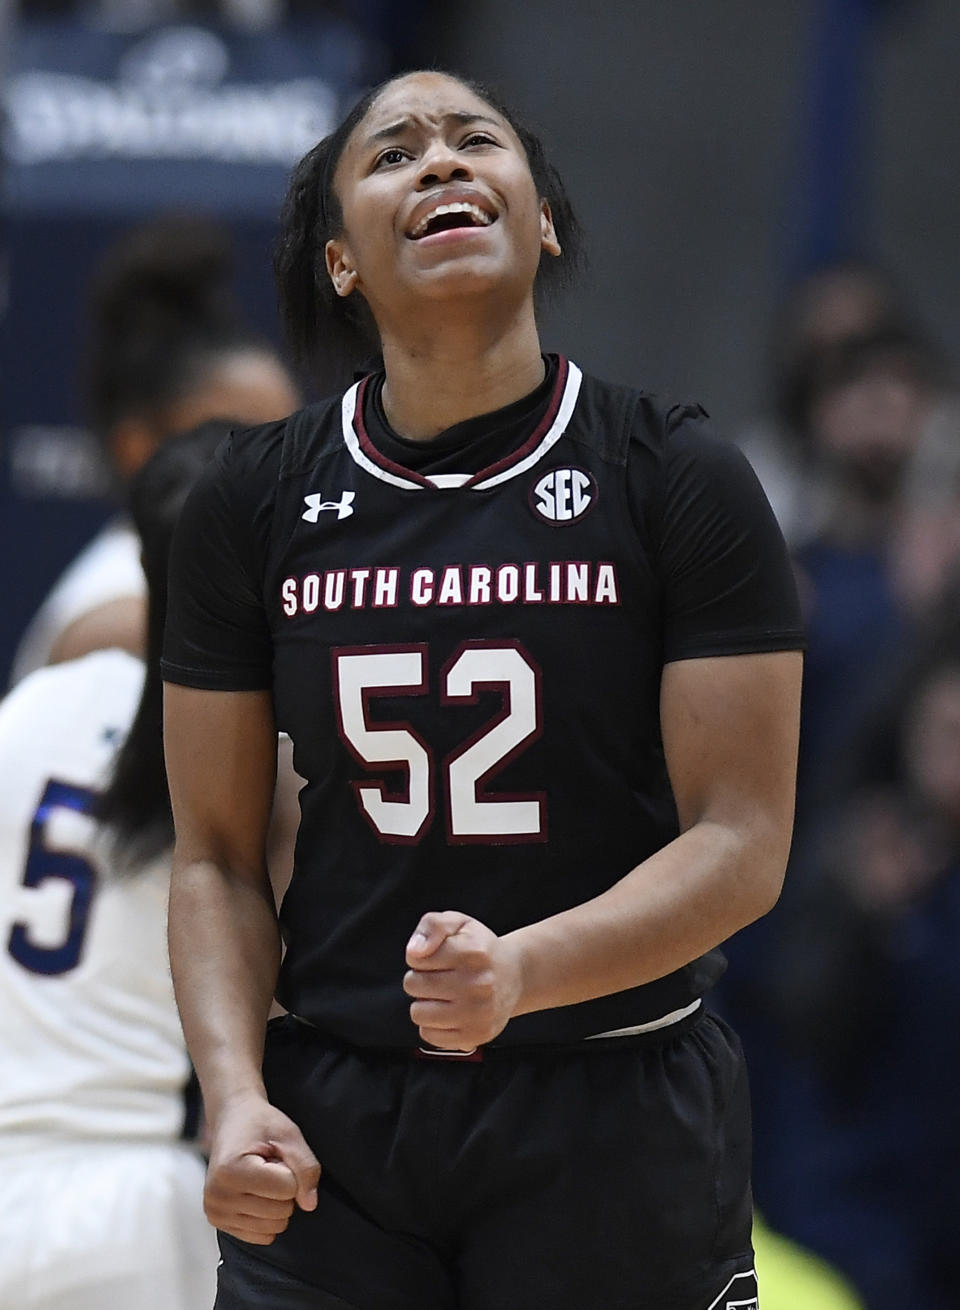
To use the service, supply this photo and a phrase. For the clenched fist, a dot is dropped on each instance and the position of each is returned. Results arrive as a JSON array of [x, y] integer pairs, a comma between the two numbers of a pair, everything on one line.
[[260, 1166], [465, 981]]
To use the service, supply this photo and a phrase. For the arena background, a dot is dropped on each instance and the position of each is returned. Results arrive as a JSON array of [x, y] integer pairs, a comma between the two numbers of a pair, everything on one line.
[[716, 151], [712, 149]]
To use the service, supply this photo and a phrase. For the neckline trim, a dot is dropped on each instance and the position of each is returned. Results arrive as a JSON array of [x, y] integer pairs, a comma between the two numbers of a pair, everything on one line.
[[547, 432]]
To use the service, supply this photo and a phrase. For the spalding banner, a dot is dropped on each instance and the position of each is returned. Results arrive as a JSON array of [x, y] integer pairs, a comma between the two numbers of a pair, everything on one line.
[[98, 119]]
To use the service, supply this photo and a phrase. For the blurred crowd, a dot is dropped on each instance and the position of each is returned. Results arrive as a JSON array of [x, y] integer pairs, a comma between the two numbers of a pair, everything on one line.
[[846, 995], [243, 15]]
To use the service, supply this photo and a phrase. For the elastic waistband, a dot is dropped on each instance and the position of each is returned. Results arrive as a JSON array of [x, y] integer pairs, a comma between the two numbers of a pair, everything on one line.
[[616, 1038]]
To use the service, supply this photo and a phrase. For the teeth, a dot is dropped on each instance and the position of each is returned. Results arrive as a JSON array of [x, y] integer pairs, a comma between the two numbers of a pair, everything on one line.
[[457, 207]]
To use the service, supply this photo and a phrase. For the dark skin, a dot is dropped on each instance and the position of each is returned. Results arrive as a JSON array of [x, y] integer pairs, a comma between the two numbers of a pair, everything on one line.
[[458, 299], [461, 308]]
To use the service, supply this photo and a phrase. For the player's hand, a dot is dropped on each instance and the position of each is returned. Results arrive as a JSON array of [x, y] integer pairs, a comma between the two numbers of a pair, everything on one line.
[[260, 1167], [465, 981]]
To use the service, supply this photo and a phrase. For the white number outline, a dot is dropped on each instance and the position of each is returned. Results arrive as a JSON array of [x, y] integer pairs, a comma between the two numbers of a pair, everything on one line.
[[464, 784], [479, 805], [372, 793]]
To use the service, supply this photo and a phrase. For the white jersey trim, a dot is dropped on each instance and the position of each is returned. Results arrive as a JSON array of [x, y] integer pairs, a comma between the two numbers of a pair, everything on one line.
[[348, 409], [663, 1022], [571, 391], [446, 481]]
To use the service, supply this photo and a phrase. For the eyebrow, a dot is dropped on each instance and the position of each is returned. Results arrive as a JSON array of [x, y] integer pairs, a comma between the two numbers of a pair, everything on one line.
[[458, 116]]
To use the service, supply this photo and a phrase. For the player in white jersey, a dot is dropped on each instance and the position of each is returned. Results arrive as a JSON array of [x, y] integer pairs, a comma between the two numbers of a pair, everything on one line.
[[106, 573], [100, 1195]]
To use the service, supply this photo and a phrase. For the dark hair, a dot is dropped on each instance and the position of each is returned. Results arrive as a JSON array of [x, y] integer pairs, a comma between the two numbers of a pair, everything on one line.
[[313, 314], [162, 314], [136, 803], [793, 357], [835, 366]]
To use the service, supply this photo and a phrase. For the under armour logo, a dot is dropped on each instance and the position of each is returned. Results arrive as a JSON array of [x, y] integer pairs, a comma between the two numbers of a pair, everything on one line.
[[316, 503]]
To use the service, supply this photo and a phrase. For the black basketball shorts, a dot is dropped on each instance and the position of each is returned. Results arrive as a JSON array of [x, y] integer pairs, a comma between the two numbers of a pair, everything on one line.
[[613, 1175]]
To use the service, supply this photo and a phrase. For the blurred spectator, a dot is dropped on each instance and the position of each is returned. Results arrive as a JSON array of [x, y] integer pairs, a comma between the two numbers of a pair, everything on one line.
[[167, 348], [877, 427], [847, 299], [865, 988], [927, 539], [834, 303], [868, 402]]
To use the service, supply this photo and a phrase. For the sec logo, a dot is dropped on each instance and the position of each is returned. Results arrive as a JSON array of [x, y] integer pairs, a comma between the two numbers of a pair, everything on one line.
[[563, 495]]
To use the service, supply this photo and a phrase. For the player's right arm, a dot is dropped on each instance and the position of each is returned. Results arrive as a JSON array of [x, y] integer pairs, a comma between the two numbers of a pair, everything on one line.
[[225, 951]]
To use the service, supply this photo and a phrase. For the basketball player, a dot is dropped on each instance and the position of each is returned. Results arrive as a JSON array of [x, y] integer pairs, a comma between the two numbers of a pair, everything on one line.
[[535, 640], [100, 1198], [167, 349]]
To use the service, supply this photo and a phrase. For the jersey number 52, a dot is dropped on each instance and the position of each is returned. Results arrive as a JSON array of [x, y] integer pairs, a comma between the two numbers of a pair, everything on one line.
[[472, 813]]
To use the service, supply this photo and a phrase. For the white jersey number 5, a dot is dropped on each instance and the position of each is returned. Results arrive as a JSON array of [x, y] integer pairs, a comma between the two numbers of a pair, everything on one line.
[[48, 865], [472, 815]]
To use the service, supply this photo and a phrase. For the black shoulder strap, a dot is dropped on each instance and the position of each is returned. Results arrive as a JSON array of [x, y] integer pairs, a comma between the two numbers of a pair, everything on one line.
[[307, 434], [605, 417]]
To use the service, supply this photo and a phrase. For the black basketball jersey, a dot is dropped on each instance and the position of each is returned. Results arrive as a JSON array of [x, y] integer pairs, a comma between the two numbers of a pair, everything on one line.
[[469, 666]]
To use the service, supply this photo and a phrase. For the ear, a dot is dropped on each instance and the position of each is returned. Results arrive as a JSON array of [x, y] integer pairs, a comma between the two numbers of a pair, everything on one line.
[[131, 442], [548, 237], [340, 267]]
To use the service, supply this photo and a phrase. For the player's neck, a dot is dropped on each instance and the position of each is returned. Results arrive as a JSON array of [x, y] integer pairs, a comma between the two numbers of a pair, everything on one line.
[[456, 375]]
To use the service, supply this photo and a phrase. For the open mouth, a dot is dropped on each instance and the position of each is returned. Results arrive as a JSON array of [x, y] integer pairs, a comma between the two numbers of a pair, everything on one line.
[[442, 218]]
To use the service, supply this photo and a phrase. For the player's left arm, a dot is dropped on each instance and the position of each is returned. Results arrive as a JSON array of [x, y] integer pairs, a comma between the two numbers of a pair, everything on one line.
[[120, 623], [730, 727]]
